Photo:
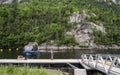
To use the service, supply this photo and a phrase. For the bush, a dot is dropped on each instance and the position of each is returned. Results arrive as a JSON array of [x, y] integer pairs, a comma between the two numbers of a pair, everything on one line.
[[26, 70]]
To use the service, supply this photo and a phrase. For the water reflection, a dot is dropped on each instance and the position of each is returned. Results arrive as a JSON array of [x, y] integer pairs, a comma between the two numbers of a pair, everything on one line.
[[58, 54], [6, 54]]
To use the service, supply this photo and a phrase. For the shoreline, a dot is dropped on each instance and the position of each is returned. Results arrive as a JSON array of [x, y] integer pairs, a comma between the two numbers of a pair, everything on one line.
[[78, 48], [60, 48], [53, 47]]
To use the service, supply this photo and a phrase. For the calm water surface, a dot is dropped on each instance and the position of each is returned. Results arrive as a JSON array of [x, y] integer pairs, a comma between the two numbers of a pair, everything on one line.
[[58, 54]]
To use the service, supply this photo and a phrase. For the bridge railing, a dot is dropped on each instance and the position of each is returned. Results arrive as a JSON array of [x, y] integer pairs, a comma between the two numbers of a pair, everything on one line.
[[107, 62]]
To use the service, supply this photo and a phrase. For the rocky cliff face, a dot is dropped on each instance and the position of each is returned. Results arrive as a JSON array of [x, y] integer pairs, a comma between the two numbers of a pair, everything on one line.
[[82, 29], [111, 1], [7, 1]]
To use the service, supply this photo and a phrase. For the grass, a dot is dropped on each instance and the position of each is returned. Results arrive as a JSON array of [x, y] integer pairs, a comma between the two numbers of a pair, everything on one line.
[[26, 70]]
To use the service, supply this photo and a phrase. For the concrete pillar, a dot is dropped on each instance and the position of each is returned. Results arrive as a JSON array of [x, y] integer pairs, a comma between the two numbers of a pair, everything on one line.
[[80, 72]]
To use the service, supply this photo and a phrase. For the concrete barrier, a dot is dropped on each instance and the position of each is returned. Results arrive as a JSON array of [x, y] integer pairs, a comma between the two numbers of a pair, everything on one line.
[[80, 72]]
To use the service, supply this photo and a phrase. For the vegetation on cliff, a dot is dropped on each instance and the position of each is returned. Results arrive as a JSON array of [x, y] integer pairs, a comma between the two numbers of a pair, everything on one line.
[[45, 20]]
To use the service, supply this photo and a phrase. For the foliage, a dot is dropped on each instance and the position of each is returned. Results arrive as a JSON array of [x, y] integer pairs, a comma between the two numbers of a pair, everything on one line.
[[45, 20], [106, 14], [26, 70], [68, 40]]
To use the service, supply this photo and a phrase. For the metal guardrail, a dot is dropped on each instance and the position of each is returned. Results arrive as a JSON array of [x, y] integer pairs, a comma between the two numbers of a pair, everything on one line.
[[108, 64]]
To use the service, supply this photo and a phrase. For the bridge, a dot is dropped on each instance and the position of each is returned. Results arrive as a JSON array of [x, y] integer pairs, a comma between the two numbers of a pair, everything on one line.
[[110, 65]]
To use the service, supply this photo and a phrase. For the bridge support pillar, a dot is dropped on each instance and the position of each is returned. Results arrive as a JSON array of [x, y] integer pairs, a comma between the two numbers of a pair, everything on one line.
[[80, 72]]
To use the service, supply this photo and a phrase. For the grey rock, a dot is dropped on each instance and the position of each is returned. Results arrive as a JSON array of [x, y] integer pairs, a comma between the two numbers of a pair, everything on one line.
[[111, 1], [82, 29], [7, 1]]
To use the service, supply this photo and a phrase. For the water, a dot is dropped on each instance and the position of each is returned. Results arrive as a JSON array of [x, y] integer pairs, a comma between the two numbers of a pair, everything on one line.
[[61, 54], [58, 54]]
